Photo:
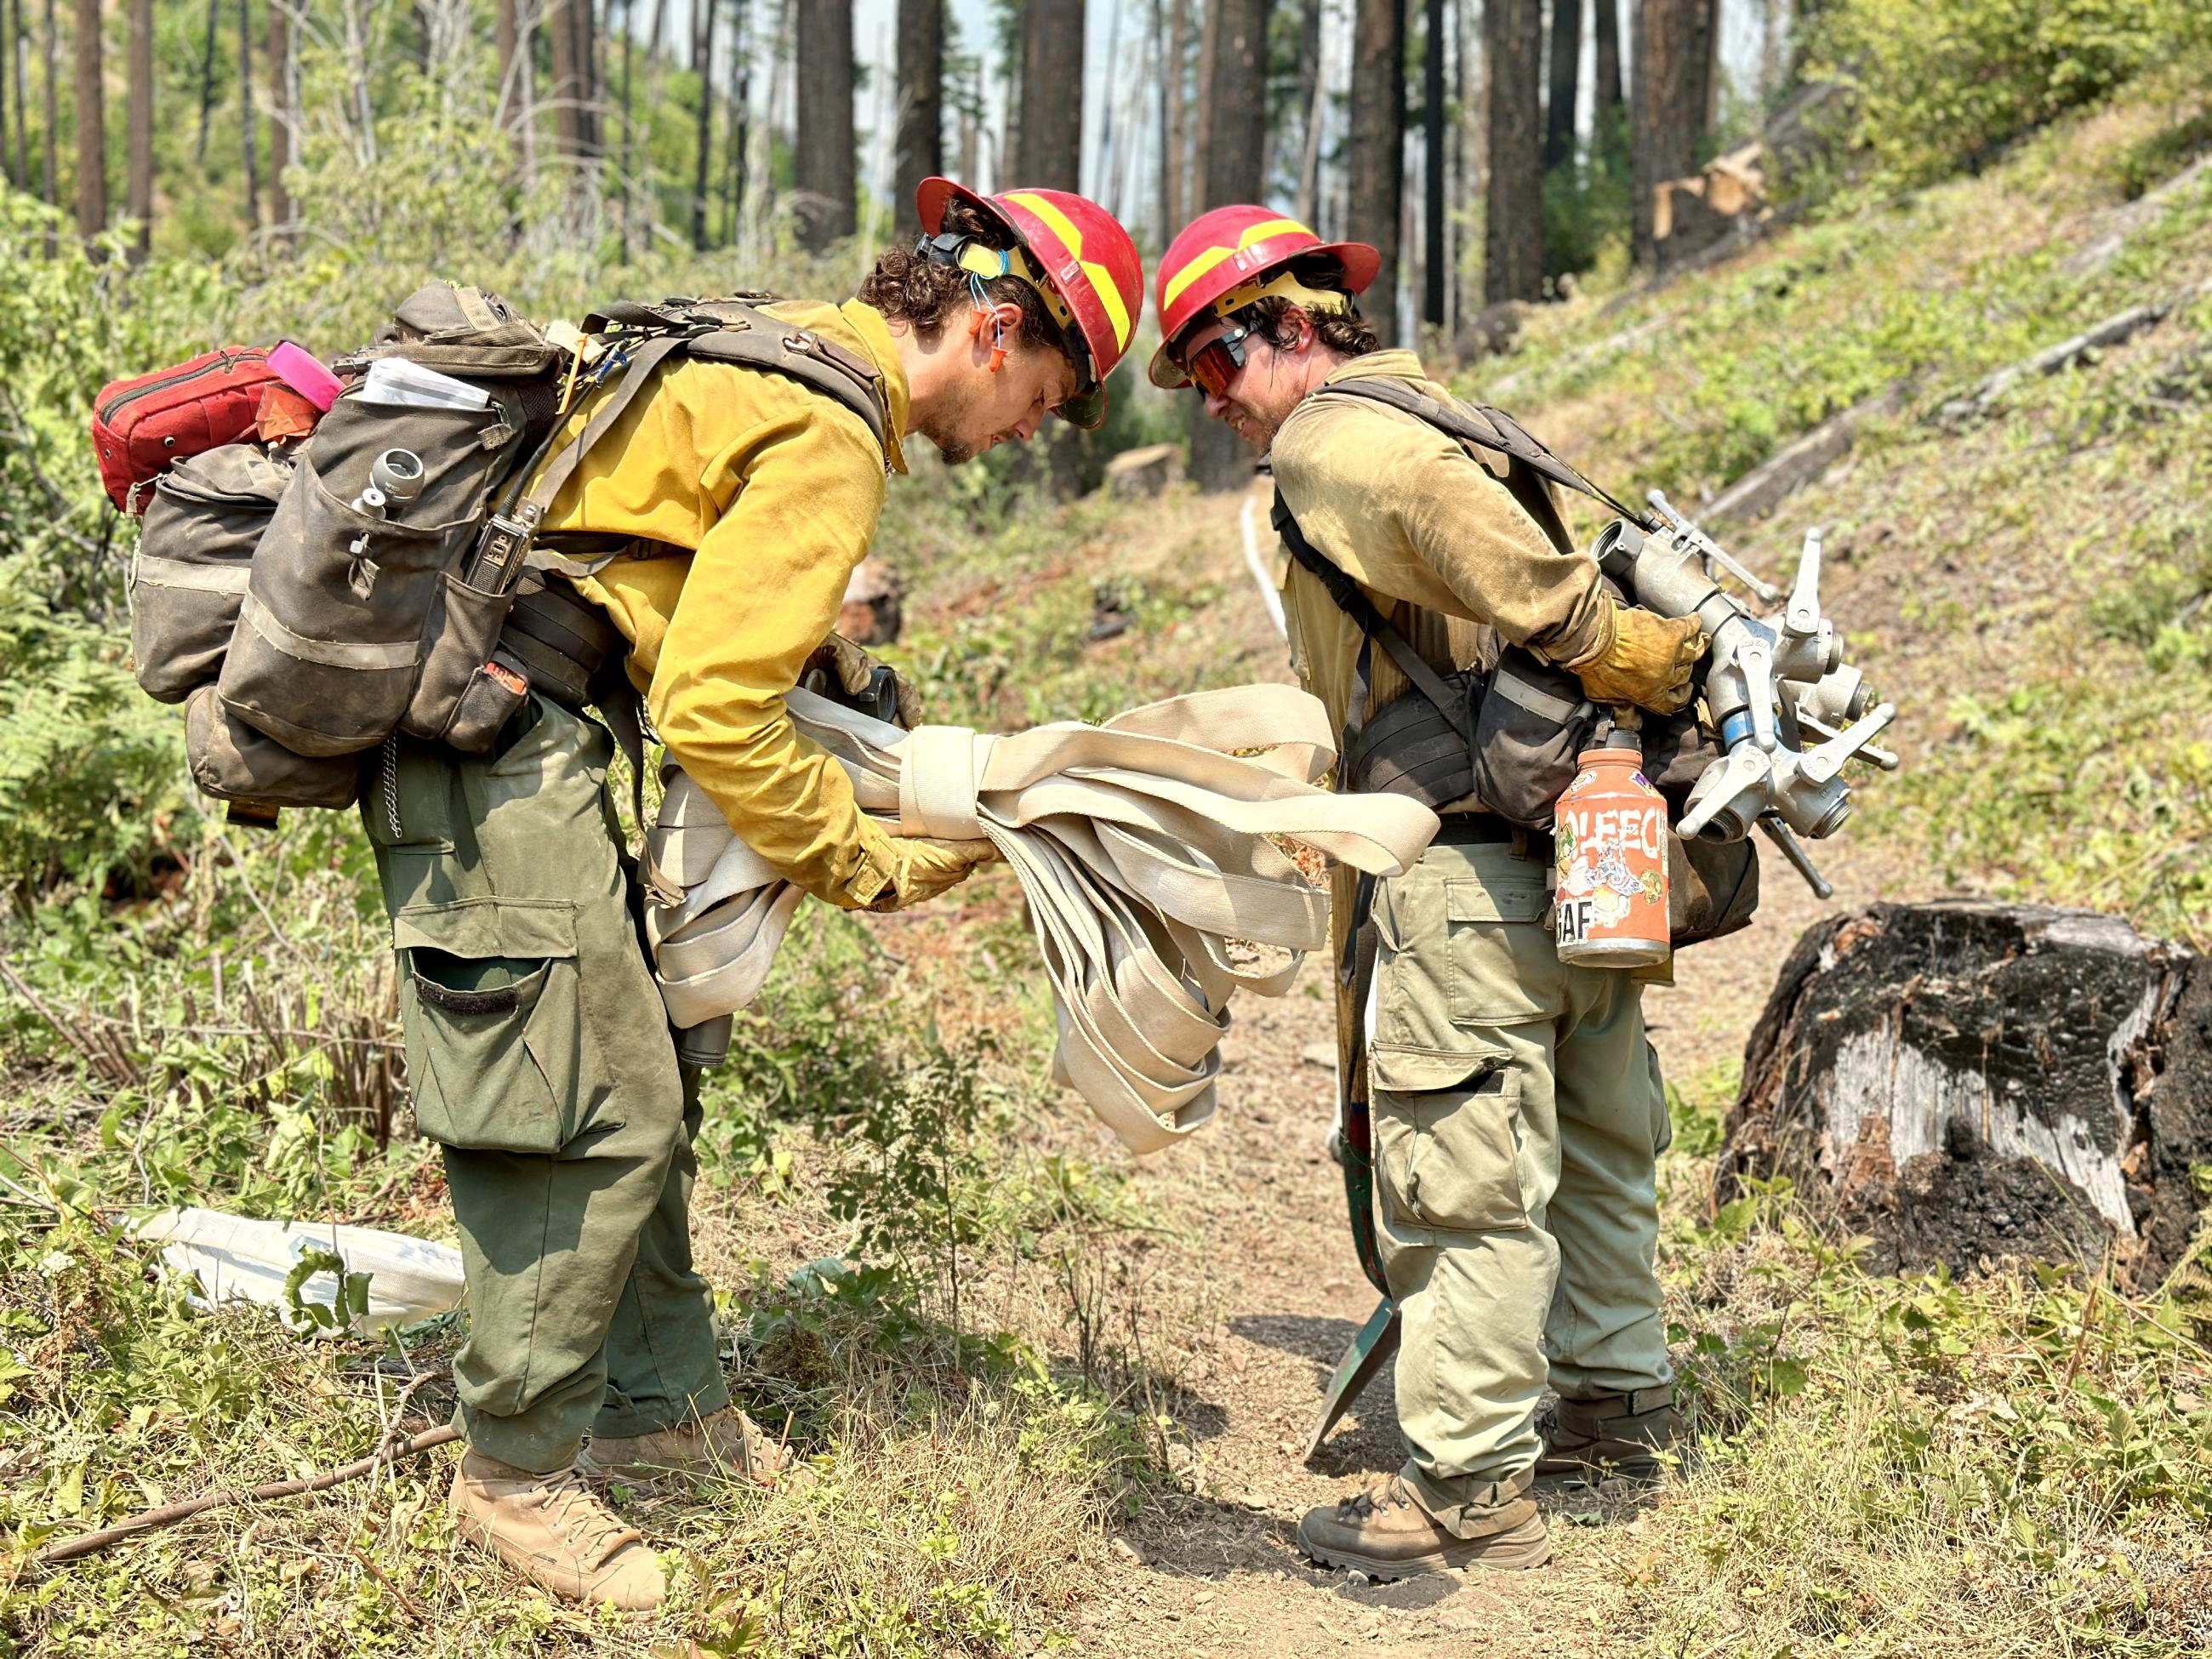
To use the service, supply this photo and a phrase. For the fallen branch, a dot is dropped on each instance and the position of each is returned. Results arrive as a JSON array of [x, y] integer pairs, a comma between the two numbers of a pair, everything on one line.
[[92, 1543], [1790, 470], [2113, 331], [109, 1059], [2125, 222]]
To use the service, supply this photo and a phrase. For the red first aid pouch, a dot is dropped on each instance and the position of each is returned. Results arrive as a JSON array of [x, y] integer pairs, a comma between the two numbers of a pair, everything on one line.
[[140, 427]]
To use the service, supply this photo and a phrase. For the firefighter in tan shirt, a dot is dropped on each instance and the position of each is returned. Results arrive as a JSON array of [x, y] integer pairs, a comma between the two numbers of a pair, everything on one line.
[[1516, 1107]]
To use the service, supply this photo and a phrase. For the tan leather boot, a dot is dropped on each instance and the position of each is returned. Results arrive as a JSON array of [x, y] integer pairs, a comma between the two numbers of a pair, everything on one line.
[[550, 1527], [1608, 1434], [1384, 1532], [726, 1445]]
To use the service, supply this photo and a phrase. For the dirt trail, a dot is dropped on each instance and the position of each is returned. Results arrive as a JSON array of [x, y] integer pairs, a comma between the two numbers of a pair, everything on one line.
[[1268, 1264]]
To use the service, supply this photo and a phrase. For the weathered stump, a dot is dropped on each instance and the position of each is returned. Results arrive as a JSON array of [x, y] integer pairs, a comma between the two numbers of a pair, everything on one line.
[[1965, 1081], [1152, 470], [871, 613]]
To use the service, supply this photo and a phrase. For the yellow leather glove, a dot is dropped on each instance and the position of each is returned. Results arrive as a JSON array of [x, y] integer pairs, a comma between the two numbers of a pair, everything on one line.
[[1648, 662], [843, 666], [923, 867]]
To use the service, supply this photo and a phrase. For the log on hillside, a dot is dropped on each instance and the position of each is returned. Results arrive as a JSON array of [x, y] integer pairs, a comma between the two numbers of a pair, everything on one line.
[[2091, 258], [2116, 329], [1799, 464], [1967, 1080]]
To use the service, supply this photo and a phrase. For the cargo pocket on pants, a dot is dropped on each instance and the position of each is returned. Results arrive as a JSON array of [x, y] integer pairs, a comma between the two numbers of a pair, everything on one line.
[[1447, 1133], [489, 996]]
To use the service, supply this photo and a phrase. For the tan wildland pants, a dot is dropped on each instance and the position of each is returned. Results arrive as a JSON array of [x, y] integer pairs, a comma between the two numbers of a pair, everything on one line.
[[1517, 1112]]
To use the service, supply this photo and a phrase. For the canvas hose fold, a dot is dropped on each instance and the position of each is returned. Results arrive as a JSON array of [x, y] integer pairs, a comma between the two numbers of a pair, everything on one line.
[[1145, 847]]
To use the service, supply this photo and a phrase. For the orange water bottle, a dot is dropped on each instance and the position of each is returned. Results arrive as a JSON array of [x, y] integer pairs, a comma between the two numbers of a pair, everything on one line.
[[1610, 828]]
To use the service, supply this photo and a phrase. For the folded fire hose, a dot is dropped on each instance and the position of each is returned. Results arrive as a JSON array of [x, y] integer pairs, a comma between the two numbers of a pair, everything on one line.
[[1141, 845]]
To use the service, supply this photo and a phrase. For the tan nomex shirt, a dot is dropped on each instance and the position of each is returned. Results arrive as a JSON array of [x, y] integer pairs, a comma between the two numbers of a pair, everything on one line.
[[1439, 545], [1429, 533]]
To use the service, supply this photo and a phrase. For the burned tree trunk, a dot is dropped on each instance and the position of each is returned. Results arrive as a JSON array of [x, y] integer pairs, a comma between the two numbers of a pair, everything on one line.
[[1967, 1080]]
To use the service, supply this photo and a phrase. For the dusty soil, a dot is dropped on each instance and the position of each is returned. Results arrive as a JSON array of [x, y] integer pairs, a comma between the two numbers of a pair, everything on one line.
[[1268, 1292]]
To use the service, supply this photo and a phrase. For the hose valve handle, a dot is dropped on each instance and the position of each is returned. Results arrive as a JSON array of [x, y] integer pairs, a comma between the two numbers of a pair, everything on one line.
[[1804, 615], [1754, 660], [1821, 764], [1779, 834], [1766, 591]]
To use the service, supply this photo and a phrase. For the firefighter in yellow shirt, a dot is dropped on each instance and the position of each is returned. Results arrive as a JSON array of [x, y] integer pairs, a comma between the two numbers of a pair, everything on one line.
[[737, 503]]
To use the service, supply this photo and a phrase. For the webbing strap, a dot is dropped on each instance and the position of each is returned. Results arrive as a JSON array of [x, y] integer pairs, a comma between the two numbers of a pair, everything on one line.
[[643, 360], [1375, 626], [1485, 428], [1143, 846]]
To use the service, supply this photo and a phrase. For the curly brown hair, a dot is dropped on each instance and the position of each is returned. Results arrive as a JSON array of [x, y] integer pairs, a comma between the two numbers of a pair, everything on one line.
[[1347, 333], [909, 286]]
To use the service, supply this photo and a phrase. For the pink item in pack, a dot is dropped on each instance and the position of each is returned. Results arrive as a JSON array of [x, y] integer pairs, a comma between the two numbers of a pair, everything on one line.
[[298, 368]]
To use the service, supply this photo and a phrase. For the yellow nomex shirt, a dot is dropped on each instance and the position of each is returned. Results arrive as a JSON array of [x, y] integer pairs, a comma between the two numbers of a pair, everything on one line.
[[751, 500]]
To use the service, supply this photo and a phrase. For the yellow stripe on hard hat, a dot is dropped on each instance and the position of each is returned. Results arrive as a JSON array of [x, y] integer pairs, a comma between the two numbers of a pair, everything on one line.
[[1267, 228], [1200, 265], [1061, 224], [1101, 282]]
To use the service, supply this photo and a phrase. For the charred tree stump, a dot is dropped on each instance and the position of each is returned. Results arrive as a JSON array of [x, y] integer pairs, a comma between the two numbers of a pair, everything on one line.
[[1966, 1081]]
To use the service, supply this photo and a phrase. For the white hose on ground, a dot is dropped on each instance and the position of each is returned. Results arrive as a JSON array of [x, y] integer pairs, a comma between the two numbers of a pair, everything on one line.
[[1269, 596]]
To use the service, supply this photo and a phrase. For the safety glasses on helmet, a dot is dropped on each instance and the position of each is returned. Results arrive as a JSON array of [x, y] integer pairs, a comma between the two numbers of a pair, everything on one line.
[[1086, 405]]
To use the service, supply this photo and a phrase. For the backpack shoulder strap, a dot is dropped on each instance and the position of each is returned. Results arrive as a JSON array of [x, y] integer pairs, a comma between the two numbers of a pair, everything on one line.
[[1482, 425], [1357, 606], [752, 339], [723, 331]]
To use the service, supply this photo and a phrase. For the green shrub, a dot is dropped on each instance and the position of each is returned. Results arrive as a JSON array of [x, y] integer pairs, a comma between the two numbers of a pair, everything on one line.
[[1942, 85], [88, 761]]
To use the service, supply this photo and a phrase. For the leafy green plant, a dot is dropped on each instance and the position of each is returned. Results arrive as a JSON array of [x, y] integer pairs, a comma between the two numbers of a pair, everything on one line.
[[1942, 86]]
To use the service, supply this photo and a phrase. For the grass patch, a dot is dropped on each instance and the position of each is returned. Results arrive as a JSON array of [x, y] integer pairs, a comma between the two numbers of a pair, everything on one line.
[[2022, 1465]]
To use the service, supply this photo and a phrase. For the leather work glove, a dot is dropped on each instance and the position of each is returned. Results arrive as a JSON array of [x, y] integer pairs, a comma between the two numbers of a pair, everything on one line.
[[923, 867], [1649, 662], [841, 670]]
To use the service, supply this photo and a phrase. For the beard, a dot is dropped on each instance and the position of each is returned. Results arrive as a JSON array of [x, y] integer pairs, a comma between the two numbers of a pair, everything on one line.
[[949, 433]]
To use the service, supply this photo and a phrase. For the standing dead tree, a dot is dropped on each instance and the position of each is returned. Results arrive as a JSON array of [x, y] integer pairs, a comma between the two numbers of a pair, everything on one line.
[[284, 112], [91, 124], [1232, 168], [1670, 50], [825, 171], [1049, 150], [702, 65], [138, 190], [921, 147], [1513, 245], [1374, 174], [248, 145]]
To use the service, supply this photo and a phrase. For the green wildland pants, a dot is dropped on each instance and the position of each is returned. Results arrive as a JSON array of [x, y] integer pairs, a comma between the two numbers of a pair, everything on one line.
[[540, 1058], [1517, 1114]]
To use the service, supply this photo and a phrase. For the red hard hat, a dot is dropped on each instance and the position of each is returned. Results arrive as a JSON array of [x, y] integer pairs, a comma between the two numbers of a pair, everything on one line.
[[1230, 248], [1090, 267]]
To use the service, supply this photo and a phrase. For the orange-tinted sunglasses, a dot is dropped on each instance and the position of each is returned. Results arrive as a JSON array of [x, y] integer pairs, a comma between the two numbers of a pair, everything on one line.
[[1217, 362]]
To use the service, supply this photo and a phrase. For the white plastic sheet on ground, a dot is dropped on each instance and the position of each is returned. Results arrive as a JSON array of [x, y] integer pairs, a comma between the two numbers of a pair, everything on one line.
[[239, 1259]]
